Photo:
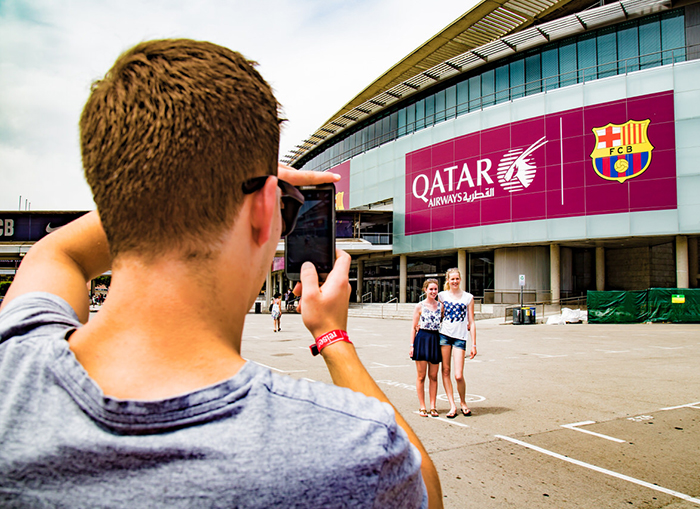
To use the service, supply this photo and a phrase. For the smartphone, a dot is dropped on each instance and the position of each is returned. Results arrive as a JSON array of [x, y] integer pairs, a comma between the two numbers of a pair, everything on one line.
[[313, 238]]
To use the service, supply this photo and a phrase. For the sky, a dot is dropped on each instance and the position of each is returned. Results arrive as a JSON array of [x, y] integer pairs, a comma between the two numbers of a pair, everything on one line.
[[316, 54]]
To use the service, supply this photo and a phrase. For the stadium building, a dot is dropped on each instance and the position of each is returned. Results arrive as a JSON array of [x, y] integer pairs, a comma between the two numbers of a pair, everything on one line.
[[549, 145]]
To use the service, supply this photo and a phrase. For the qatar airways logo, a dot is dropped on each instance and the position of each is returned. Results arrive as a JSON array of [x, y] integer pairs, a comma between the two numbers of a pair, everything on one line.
[[515, 172]]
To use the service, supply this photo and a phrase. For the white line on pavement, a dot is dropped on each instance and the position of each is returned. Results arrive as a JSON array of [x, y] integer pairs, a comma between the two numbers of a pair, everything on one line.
[[575, 425], [689, 405], [602, 470], [280, 370]]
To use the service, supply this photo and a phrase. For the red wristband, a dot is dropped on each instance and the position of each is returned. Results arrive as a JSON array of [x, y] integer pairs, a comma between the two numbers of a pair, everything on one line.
[[328, 339]]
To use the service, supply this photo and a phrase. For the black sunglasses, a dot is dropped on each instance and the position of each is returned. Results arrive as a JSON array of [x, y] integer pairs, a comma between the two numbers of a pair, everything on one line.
[[292, 200]]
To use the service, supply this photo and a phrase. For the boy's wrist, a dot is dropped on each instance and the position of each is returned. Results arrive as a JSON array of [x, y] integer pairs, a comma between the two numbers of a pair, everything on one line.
[[327, 339]]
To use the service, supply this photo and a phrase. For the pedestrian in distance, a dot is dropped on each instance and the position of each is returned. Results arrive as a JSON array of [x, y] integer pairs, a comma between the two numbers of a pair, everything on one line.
[[150, 403], [276, 312], [425, 346], [456, 330]]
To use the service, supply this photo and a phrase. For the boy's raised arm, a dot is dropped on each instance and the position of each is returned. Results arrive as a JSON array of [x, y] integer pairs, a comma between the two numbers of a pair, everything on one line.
[[63, 262], [324, 309]]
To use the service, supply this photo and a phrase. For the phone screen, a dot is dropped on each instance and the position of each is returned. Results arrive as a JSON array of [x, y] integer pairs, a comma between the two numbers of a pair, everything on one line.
[[313, 238]]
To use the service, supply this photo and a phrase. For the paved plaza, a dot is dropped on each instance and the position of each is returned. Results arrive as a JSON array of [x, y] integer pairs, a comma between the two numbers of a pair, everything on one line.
[[572, 416]]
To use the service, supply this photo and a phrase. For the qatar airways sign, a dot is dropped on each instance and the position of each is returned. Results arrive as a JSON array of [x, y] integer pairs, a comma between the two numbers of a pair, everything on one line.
[[593, 160]]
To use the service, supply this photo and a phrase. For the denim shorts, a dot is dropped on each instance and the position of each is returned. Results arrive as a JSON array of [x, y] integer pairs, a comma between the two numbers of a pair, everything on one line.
[[450, 341]]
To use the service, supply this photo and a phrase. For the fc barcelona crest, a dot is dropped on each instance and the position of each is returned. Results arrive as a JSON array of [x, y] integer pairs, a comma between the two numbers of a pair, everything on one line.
[[622, 151]]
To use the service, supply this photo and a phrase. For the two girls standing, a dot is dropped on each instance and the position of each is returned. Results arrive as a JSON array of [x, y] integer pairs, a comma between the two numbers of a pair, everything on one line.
[[441, 325]]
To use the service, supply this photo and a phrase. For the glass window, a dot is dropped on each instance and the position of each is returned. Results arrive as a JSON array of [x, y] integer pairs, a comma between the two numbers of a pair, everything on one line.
[[462, 97], [517, 78], [451, 102], [649, 42], [356, 143], [420, 114], [429, 110], [365, 138], [550, 68], [488, 91], [393, 126], [371, 138], [567, 64], [533, 74], [410, 118], [402, 122], [628, 48], [673, 37], [474, 93], [502, 84], [586, 53], [606, 46], [439, 106]]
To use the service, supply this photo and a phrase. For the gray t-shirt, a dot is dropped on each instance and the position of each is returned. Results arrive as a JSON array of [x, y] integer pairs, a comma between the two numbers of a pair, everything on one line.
[[255, 440]]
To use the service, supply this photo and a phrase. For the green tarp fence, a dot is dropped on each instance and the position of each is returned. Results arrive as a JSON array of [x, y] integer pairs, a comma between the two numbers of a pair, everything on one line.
[[680, 305]]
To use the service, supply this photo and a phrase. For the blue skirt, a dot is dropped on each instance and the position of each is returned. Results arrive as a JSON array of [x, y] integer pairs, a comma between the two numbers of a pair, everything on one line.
[[426, 346]]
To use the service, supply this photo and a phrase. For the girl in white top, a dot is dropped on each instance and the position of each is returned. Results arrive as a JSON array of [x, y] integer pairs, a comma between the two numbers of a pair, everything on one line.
[[457, 326]]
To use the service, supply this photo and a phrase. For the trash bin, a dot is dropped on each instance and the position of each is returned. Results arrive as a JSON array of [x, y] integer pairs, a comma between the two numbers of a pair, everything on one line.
[[517, 319], [528, 315], [258, 308]]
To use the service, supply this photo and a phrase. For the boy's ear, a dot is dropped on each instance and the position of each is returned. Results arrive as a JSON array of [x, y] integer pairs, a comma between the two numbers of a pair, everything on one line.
[[264, 212]]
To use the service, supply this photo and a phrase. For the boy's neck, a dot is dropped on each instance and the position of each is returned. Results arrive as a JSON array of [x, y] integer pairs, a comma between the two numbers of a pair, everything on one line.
[[162, 332]]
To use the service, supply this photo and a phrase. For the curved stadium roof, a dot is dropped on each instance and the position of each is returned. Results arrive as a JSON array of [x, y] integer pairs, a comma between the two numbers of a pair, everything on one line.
[[491, 30]]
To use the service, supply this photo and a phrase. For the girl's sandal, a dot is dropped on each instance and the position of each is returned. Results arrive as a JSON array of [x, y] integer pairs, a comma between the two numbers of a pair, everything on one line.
[[423, 412], [433, 412]]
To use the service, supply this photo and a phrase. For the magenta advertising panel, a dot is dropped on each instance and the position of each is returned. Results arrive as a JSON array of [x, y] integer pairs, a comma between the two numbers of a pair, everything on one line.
[[342, 187], [603, 159]]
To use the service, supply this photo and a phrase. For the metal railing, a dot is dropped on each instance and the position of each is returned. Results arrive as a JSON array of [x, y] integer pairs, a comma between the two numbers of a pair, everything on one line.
[[395, 300], [363, 299], [384, 239]]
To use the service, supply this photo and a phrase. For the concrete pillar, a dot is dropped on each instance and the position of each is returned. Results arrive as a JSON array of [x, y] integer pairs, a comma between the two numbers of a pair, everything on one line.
[[681, 261], [555, 272], [462, 266], [403, 277], [360, 279], [693, 262], [268, 288], [600, 268]]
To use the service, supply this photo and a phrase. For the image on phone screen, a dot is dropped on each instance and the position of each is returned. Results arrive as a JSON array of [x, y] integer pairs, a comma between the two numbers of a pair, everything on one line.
[[313, 238]]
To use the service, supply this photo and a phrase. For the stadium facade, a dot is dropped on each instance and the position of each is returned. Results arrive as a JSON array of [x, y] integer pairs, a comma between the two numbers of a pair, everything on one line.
[[553, 146]]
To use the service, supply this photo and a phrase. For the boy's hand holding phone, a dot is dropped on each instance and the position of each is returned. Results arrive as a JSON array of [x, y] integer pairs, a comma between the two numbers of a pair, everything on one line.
[[325, 308]]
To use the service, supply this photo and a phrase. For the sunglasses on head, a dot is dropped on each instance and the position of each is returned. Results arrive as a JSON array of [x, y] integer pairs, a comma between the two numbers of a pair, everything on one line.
[[292, 200]]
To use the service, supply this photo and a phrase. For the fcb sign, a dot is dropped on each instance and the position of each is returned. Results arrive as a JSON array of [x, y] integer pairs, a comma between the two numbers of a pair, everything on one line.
[[585, 161], [621, 151]]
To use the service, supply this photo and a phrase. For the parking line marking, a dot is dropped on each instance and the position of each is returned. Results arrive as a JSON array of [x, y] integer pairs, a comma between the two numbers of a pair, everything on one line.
[[602, 470], [380, 365], [599, 435], [280, 370], [689, 405]]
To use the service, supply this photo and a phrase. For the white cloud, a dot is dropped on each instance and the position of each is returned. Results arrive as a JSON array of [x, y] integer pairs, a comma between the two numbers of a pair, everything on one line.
[[316, 54]]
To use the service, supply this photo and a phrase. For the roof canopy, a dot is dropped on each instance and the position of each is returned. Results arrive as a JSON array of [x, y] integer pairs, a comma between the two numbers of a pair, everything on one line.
[[491, 30]]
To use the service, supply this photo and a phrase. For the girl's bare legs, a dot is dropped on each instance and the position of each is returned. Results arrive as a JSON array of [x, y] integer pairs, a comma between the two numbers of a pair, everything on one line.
[[433, 384], [446, 376], [459, 355], [421, 368]]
